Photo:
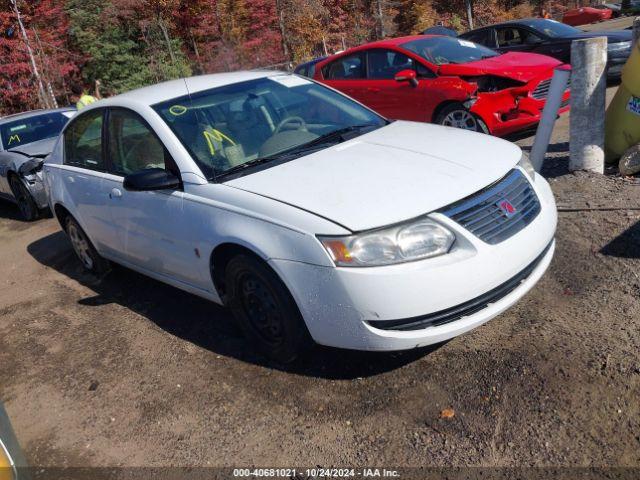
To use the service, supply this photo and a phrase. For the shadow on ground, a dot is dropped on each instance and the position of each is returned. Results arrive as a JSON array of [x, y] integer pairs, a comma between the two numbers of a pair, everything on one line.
[[201, 322], [9, 210], [625, 245]]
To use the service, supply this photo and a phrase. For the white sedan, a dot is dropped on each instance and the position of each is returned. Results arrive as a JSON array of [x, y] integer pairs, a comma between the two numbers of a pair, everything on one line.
[[308, 215]]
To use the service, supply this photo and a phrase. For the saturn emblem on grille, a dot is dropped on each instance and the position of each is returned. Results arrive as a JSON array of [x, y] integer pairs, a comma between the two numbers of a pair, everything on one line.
[[507, 208]]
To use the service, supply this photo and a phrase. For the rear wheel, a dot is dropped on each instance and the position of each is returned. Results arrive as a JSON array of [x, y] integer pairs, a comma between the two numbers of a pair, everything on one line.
[[26, 205], [264, 309], [456, 115], [86, 252]]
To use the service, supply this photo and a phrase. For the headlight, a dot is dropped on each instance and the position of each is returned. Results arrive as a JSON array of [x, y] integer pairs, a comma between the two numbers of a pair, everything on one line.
[[527, 166], [618, 46], [415, 240]]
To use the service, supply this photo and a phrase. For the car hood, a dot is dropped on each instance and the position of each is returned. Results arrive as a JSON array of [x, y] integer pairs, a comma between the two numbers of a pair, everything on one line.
[[613, 36], [39, 149], [523, 67], [392, 174]]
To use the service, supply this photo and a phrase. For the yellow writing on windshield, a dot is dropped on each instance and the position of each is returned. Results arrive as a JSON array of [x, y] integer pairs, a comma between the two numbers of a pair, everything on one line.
[[214, 136], [13, 138]]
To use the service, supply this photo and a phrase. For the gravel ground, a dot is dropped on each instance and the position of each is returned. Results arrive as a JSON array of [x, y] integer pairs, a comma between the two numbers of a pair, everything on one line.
[[127, 371]]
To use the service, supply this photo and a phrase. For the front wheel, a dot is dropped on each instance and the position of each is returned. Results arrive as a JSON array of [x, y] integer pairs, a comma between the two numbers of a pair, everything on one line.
[[265, 310], [26, 205], [457, 116]]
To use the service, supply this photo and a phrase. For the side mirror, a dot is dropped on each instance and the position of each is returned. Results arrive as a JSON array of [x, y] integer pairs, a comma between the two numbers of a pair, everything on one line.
[[151, 179], [407, 75]]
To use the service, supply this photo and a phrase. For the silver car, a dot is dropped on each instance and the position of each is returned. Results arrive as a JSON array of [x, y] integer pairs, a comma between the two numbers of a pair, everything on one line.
[[25, 140]]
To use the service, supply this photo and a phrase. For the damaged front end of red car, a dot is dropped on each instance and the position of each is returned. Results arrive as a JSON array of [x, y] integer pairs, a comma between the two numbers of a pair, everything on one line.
[[507, 105]]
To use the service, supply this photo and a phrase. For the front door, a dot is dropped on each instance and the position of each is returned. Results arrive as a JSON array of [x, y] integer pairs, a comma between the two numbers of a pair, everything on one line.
[[392, 99], [152, 231]]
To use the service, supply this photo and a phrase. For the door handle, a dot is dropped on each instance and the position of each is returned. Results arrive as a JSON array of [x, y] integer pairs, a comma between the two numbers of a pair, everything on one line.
[[115, 193], [70, 179], [373, 90]]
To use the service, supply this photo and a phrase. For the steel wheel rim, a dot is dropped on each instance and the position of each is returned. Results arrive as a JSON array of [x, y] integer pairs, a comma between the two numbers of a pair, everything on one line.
[[461, 119], [261, 309], [81, 246]]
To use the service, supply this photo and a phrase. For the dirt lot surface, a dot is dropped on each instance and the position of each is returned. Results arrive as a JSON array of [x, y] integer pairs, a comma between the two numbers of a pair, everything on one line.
[[127, 371]]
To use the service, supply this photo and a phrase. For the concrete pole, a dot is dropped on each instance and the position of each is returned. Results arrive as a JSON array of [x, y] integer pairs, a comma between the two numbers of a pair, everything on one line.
[[558, 86], [636, 30], [588, 93], [470, 13]]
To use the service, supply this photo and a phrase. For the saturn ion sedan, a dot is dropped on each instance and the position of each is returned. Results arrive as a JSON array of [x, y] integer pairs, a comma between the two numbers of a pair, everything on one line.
[[307, 214]]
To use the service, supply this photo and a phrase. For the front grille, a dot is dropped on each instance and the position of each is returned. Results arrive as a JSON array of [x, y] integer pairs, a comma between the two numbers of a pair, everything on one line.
[[464, 309], [499, 211], [542, 90]]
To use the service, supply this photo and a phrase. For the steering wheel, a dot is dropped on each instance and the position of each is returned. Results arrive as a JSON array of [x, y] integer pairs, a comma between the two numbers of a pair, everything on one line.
[[302, 125]]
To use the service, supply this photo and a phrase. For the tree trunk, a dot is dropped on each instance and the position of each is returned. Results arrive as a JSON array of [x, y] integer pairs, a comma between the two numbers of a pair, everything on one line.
[[283, 30]]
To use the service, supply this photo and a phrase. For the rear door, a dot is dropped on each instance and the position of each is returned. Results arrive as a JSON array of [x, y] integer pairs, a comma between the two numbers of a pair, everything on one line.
[[348, 75], [83, 172]]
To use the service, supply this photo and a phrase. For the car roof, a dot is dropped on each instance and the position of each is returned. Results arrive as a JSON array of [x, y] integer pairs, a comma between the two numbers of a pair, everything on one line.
[[33, 113], [176, 88]]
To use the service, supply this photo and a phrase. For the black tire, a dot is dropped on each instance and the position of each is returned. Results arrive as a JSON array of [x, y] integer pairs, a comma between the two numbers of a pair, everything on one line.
[[265, 310], [28, 208], [84, 249], [456, 115]]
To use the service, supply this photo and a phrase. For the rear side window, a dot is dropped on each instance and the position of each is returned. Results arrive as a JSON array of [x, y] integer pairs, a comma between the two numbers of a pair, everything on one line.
[[83, 141], [384, 64], [350, 67], [132, 144], [481, 37]]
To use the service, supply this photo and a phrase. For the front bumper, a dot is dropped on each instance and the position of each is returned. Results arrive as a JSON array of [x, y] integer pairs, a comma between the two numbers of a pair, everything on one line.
[[505, 112], [35, 185], [341, 305]]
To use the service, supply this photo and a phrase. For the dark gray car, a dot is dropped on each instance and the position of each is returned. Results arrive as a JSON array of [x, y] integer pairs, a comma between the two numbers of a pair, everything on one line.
[[25, 140], [548, 37]]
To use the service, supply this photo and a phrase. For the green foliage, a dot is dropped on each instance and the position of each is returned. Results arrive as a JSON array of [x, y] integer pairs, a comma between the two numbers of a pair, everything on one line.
[[111, 55]]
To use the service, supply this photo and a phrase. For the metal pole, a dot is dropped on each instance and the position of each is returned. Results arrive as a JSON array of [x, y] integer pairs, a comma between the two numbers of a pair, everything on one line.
[[588, 95], [558, 86], [470, 13], [42, 93]]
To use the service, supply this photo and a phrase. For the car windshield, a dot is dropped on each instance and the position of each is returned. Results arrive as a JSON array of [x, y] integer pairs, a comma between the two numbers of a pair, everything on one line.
[[31, 129], [443, 50], [551, 28], [268, 120]]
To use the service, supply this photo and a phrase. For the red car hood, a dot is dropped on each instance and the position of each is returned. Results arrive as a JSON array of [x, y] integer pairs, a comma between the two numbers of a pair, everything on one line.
[[523, 67]]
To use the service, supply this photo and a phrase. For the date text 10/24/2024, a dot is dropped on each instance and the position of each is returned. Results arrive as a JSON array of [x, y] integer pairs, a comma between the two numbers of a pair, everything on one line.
[[315, 473]]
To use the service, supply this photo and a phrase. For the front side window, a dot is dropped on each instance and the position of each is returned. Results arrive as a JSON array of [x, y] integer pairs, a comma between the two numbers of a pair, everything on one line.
[[384, 64], [259, 121], [350, 67], [83, 141], [32, 129], [447, 50], [132, 145], [551, 28], [509, 37]]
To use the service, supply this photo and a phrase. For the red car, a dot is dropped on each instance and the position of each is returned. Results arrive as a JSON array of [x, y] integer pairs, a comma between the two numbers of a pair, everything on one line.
[[445, 80], [583, 16]]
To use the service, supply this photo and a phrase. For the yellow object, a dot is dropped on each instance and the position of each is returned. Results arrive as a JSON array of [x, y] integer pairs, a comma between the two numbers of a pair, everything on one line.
[[85, 100], [213, 137], [6, 469], [622, 121]]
